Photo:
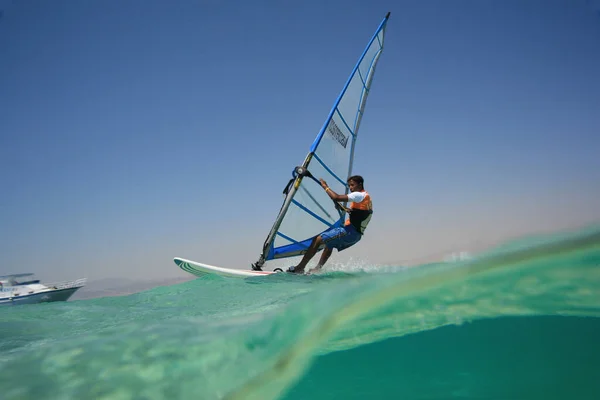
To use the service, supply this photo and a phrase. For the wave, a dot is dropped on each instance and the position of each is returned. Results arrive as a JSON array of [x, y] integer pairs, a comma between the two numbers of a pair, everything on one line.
[[221, 338]]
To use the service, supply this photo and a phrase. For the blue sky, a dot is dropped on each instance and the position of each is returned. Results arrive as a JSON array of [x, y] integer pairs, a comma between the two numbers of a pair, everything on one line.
[[132, 132]]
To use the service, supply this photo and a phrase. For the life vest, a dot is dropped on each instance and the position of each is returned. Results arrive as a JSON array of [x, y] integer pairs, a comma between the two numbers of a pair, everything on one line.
[[360, 213]]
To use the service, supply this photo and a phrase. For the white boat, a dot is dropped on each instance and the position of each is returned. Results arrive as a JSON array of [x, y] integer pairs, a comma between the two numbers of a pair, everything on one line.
[[25, 289]]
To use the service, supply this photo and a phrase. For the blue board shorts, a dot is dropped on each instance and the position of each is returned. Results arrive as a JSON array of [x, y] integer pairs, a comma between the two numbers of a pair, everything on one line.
[[341, 237]]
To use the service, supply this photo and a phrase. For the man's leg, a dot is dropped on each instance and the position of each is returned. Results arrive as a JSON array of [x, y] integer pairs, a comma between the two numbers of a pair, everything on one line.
[[324, 257], [312, 250]]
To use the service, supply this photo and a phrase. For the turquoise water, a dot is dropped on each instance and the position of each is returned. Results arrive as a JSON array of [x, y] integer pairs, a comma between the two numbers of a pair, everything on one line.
[[519, 322]]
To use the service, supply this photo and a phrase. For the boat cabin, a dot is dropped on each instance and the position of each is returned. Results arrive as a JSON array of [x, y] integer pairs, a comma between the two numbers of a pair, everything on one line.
[[17, 280]]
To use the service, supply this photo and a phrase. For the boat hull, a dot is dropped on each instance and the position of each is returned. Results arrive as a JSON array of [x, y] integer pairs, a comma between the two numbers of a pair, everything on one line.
[[40, 297]]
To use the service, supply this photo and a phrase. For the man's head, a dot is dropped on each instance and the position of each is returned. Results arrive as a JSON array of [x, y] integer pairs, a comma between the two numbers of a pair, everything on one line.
[[355, 183]]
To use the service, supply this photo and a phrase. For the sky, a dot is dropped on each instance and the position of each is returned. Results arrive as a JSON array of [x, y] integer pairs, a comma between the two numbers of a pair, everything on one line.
[[132, 132]]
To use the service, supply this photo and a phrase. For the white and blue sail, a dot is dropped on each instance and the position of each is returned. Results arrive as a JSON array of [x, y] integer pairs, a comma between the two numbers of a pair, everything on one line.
[[307, 209]]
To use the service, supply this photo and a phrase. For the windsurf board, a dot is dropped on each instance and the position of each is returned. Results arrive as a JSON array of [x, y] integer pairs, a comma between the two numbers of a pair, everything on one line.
[[200, 269]]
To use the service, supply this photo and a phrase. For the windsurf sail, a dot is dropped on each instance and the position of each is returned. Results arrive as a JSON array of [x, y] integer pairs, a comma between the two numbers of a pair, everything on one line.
[[307, 210]]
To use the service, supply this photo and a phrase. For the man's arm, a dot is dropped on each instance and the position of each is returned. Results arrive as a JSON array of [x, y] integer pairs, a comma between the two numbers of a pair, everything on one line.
[[333, 195]]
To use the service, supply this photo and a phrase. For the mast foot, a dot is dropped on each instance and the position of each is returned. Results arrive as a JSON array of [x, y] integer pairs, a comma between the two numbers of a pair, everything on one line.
[[256, 266]]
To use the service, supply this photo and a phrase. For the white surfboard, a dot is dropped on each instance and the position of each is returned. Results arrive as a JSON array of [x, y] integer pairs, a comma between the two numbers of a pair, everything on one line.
[[200, 269]]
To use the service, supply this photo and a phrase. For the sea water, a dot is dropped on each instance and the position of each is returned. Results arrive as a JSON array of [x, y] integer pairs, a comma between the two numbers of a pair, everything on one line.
[[518, 322]]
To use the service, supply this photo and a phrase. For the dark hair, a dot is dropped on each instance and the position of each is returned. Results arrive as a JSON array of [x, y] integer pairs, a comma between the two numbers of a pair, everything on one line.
[[357, 179]]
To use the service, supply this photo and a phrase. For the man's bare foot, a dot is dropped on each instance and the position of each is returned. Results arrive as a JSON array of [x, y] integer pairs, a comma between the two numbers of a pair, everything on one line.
[[315, 270]]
